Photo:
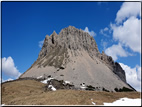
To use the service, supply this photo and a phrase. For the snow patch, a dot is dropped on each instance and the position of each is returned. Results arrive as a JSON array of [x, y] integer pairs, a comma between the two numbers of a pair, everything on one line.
[[45, 81], [2, 104], [50, 79], [125, 102], [67, 82], [39, 77], [52, 88], [93, 103], [83, 86]]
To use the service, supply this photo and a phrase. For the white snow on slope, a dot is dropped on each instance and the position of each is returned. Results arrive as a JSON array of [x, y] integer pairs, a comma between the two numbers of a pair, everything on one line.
[[52, 88], [2, 104], [45, 81], [125, 102], [49, 79], [83, 87], [67, 82], [93, 103], [39, 77]]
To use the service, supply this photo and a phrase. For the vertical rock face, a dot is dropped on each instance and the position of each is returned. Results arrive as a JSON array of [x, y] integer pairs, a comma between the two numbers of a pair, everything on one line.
[[70, 38], [74, 54], [114, 66]]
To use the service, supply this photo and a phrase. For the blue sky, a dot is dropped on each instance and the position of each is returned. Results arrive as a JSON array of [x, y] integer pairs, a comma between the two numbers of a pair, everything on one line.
[[25, 24]]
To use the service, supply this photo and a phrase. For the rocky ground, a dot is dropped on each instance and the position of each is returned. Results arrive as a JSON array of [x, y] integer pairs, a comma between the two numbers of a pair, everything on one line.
[[33, 92]]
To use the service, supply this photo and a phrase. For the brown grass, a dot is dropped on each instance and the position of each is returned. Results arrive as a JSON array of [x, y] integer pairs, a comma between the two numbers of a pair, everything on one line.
[[31, 92]]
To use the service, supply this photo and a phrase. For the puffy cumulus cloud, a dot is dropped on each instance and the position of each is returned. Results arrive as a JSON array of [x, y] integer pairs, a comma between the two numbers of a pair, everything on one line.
[[127, 10], [40, 43], [9, 69], [129, 33], [116, 51], [133, 75], [126, 31], [92, 33]]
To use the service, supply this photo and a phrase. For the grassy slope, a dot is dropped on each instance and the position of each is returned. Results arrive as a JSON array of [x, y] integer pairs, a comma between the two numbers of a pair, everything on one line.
[[31, 92]]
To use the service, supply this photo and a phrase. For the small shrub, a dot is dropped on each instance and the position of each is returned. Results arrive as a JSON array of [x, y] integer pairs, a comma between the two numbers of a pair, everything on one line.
[[90, 88], [105, 89], [124, 89], [49, 76], [62, 67], [116, 89]]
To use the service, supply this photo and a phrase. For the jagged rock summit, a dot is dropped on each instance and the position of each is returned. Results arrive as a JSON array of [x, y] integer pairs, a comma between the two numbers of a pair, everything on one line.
[[73, 55]]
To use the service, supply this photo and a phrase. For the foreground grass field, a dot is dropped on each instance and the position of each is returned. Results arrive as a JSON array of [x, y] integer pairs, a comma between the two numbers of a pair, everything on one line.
[[31, 92]]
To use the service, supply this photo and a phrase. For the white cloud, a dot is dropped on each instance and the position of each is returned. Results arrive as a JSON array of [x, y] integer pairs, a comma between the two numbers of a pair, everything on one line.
[[40, 43], [104, 44], [104, 31], [116, 50], [129, 33], [92, 33], [9, 69], [126, 30], [127, 10], [133, 75], [9, 79]]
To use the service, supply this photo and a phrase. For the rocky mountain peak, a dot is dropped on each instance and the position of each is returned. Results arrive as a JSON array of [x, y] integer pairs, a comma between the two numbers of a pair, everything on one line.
[[70, 38], [54, 33], [73, 55], [75, 41]]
